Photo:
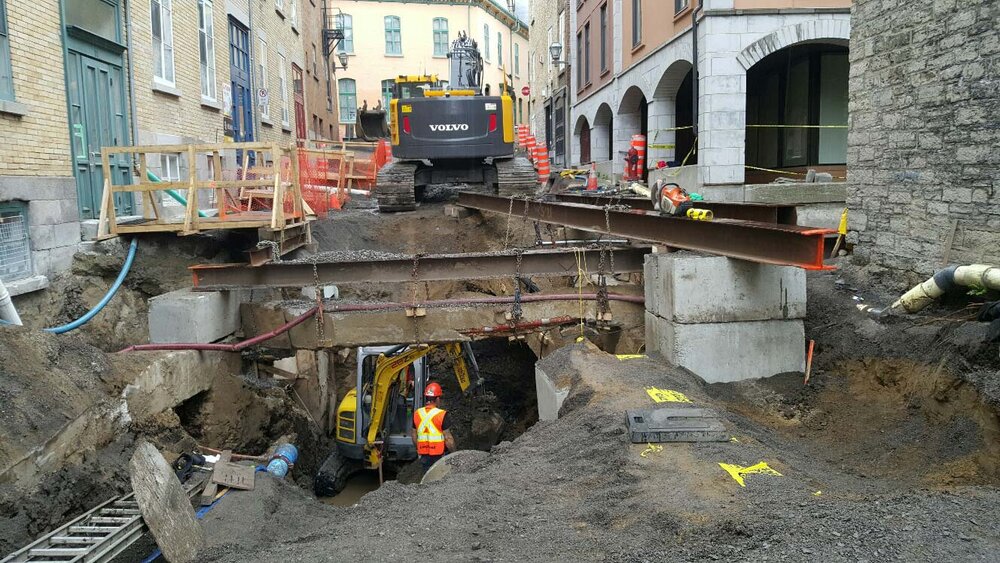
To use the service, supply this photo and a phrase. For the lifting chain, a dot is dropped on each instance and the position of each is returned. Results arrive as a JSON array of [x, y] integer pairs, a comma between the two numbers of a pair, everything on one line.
[[275, 249], [320, 316], [506, 234], [603, 306], [538, 234], [516, 311], [413, 277]]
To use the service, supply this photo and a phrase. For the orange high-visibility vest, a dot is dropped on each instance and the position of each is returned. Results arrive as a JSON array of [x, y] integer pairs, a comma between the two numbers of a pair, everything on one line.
[[430, 435]]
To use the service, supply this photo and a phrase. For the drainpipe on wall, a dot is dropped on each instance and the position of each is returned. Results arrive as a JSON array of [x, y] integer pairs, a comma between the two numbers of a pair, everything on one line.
[[133, 114], [694, 68], [254, 43]]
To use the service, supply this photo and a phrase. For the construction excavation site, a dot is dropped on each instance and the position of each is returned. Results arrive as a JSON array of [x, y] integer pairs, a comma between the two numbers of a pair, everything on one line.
[[621, 386]]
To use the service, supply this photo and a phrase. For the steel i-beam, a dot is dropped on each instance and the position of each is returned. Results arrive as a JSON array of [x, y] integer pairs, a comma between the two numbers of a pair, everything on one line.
[[763, 212], [768, 243], [562, 262]]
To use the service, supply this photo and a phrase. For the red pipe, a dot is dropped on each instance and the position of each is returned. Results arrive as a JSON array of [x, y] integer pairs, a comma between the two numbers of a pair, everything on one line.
[[226, 347]]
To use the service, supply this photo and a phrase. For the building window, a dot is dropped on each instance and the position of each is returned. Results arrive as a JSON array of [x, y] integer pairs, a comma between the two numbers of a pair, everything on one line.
[[387, 87], [499, 49], [348, 100], [265, 110], [163, 40], [440, 37], [636, 22], [170, 167], [345, 22], [6, 75], [206, 46], [283, 86], [15, 245], [279, 4], [586, 53], [579, 57], [393, 37], [517, 60], [681, 5], [315, 63], [604, 37], [294, 14], [486, 42]]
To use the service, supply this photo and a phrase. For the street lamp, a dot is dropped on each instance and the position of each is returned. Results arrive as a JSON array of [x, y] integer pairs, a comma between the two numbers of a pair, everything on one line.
[[555, 50], [343, 58]]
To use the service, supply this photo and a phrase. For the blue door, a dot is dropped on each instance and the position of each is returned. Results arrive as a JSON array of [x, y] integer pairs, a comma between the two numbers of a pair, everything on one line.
[[239, 72]]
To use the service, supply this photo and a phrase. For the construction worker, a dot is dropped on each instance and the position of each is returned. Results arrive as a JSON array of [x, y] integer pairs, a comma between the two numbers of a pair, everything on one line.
[[430, 430]]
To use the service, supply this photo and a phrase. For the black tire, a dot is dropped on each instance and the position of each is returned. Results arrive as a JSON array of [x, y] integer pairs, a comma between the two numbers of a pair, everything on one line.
[[333, 474]]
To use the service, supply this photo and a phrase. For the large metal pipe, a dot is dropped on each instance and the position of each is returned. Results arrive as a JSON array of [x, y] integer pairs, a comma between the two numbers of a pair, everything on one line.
[[922, 295]]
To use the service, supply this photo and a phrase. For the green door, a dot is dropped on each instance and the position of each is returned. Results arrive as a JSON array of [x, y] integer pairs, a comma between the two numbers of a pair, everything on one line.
[[97, 119]]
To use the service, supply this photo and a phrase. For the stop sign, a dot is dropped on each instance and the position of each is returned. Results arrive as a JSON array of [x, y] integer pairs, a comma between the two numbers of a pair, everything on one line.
[[525, 91]]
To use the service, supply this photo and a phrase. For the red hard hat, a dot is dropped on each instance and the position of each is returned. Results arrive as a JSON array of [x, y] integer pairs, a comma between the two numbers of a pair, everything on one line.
[[433, 390]]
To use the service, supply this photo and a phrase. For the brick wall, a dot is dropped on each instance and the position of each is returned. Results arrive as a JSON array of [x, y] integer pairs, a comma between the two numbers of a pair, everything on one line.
[[924, 143], [282, 38], [316, 83], [36, 143]]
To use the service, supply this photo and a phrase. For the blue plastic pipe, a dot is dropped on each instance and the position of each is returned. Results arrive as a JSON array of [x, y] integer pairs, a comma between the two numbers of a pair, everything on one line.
[[107, 296]]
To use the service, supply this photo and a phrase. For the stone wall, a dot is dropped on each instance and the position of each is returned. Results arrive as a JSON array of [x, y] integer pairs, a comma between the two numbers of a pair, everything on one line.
[[924, 143]]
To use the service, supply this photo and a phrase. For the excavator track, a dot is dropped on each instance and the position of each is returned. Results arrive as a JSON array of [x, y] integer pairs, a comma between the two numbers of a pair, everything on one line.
[[515, 177], [395, 190]]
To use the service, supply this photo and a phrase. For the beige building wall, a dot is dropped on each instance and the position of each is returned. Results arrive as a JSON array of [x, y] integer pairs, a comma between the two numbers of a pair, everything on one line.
[[321, 115], [283, 34], [368, 64], [178, 113], [34, 127]]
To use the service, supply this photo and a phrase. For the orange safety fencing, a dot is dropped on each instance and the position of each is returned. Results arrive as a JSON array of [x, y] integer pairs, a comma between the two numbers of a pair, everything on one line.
[[330, 171]]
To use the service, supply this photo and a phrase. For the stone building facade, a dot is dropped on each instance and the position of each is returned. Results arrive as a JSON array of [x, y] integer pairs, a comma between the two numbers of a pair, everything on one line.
[[924, 142], [320, 90], [550, 94]]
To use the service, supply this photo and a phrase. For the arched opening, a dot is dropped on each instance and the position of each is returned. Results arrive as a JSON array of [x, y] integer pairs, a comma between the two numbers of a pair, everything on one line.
[[797, 112], [671, 118], [600, 135], [633, 119], [581, 133]]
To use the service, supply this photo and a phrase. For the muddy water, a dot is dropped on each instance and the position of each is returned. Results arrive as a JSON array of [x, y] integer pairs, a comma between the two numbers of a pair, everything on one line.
[[358, 485]]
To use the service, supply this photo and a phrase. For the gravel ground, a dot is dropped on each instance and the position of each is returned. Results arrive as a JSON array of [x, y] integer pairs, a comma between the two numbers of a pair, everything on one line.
[[575, 489]]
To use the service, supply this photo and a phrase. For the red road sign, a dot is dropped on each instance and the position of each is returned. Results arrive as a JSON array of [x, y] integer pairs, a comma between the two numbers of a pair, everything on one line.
[[525, 91]]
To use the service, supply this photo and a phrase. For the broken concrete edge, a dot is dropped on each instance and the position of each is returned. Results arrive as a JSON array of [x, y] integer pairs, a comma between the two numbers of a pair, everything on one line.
[[184, 315], [173, 378], [795, 193]]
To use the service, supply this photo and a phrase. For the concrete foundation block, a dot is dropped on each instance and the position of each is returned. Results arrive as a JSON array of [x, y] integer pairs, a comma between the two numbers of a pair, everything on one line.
[[694, 288], [193, 316], [722, 352], [551, 394], [456, 211]]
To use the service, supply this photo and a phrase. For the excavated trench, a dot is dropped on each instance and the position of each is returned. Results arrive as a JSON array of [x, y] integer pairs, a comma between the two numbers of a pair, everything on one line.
[[503, 408]]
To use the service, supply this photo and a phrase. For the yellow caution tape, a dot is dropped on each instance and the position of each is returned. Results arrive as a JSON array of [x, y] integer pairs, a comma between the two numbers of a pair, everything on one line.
[[776, 126], [666, 395], [681, 128], [842, 229], [670, 146], [787, 172], [651, 449], [738, 472], [624, 357]]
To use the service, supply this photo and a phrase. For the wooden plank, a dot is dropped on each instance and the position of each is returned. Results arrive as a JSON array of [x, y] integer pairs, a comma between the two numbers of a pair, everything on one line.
[[296, 182], [148, 186], [110, 202], [103, 228], [220, 193], [191, 213], [212, 488], [165, 506], [234, 476]]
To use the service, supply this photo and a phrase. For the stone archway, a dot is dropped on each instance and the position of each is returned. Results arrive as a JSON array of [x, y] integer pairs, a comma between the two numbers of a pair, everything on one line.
[[581, 139], [600, 134], [663, 115], [837, 32], [633, 117]]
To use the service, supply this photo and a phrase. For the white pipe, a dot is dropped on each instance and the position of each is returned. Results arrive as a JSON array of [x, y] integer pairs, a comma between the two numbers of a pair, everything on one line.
[[7, 311], [975, 275]]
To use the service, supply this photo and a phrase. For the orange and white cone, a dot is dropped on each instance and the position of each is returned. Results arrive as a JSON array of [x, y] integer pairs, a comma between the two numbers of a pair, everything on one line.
[[592, 178]]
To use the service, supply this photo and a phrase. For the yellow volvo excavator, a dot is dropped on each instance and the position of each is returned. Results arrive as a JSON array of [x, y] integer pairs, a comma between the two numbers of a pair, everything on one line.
[[374, 418]]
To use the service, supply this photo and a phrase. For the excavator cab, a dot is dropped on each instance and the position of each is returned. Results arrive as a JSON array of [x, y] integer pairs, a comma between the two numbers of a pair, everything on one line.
[[374, 418]]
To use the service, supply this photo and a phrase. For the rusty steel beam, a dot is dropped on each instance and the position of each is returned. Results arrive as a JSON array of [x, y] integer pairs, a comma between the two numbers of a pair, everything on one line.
[[767, 243], [763, 212], [550, 262]]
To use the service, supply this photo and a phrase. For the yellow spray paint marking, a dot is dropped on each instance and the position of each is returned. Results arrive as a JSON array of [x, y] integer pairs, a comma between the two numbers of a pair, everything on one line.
[[738, 472], [624, 357], [734, 440], [817, 493], [666, 395], [651, 449]]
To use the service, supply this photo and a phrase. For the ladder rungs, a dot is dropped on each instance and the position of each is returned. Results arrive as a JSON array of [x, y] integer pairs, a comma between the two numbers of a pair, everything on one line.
[[93, 529], [126, 503], [83, 540], [58, 551], [123, 511], [110, 520]]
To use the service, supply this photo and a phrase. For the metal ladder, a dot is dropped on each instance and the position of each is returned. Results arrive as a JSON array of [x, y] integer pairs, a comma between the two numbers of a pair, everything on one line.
[[98, 535]]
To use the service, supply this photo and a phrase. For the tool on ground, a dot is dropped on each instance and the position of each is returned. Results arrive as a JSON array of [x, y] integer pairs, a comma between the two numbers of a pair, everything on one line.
[[675, 424], [185, 465], [809, 361], [374, 418]]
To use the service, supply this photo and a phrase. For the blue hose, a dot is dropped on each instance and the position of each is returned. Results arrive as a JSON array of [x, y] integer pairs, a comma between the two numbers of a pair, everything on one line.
[[107, 296]]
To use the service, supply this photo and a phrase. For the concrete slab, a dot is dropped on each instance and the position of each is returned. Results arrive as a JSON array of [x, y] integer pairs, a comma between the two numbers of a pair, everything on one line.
[[693, 288], [456, 211], [551, 394], [722, 352], [188, 316]]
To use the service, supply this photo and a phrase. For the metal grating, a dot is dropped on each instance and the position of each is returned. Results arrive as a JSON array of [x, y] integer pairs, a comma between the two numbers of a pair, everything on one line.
[[15, 253]]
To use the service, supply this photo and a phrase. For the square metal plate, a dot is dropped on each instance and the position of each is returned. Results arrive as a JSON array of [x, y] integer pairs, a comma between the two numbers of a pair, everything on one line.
[[675, 424]]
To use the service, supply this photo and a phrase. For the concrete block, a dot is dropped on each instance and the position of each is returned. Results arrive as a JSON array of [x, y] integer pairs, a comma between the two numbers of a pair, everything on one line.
[[61, 259], [189, 316], [27, 285], [723, 352], [45, 212], [66, 234], [693, 288], [88, 229], [456, 211], [41, 262], [42, 237], [551, 394]]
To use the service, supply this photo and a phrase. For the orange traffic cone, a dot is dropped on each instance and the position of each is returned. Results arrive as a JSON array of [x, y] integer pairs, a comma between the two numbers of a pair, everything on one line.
[[592, 178]]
